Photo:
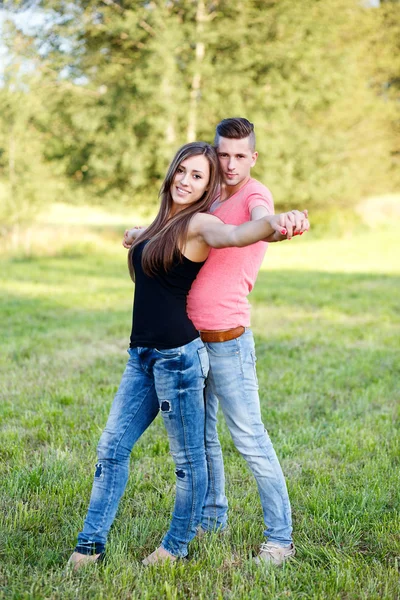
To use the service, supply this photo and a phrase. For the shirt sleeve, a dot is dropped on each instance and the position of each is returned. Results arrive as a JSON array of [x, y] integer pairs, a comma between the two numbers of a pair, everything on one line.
[[261, 199]]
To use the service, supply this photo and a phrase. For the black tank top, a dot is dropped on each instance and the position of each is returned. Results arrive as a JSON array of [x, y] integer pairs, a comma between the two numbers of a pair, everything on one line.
[[159, 306]]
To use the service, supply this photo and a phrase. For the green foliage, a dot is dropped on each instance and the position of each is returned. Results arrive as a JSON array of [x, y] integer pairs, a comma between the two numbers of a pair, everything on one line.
[[327, 333], [27, 181], [121, 84]]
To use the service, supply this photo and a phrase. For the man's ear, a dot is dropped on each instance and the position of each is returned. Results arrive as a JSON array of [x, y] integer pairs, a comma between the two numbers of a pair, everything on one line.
[[254, 157]]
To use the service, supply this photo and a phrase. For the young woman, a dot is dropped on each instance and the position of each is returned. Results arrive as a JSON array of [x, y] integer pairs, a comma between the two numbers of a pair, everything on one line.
[[168, 362]]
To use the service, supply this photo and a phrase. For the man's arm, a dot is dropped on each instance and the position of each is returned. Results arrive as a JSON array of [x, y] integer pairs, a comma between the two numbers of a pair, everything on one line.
[[260, 212], [130, 235]]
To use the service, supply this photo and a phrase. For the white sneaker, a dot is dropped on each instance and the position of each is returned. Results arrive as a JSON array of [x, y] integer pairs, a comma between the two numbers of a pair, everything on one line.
[[272, 553]]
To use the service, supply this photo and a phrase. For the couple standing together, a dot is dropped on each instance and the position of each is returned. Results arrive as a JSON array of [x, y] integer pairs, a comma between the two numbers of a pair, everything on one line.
[[193, 268]]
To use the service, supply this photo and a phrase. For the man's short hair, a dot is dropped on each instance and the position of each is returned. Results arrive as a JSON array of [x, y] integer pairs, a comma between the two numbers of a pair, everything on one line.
[[236, 128]]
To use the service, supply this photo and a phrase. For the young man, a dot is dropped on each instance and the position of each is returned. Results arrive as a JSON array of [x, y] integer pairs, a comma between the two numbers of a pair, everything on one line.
[[219, 309], [218, 306]]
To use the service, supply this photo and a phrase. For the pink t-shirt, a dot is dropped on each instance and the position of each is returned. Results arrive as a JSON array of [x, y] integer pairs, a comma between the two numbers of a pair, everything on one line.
[[218, 296]]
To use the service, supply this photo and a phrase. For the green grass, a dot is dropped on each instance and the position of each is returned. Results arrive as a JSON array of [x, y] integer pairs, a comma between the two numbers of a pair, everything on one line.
[[326, 317]]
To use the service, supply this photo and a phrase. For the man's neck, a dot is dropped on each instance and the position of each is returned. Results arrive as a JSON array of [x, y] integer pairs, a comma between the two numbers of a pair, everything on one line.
[[229, 190]]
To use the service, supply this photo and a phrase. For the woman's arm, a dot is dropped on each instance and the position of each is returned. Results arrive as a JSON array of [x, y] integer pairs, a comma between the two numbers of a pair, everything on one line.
[[261, 211], [217, 234]]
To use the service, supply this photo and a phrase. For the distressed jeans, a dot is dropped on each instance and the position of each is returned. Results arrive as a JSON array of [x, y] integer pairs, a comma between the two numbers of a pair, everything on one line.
[[172, 382], [233, 382]]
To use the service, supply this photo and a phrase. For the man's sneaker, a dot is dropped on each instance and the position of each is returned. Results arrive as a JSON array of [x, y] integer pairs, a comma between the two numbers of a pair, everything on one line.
[[272, 553]]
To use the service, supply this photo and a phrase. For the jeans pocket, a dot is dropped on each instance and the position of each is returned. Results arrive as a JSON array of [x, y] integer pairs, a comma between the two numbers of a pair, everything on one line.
[[204, 361], [168, 352], [254, 361]]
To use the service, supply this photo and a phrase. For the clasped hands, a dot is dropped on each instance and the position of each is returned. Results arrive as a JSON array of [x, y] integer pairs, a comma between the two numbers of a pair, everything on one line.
[[291, 223]]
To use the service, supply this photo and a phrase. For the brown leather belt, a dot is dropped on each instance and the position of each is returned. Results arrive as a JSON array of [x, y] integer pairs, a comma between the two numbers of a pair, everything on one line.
[[222, 336]]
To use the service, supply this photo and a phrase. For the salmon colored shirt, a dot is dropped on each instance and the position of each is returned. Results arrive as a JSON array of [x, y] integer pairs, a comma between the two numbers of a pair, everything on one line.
[[218, 296]]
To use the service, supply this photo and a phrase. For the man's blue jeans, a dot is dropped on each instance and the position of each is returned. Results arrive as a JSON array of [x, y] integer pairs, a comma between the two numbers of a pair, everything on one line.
[[172, 382], [232, 381]]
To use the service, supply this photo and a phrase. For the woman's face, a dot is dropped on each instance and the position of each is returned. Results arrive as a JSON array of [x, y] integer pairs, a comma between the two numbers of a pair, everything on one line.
[[190, 182]]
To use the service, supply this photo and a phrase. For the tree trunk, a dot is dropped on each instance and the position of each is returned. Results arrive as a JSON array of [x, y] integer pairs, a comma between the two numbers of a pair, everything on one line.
[[196, 81], [167, 92], [11, 160]]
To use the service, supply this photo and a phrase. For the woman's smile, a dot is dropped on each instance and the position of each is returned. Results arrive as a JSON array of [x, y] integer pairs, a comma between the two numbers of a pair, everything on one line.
[[190, 181]]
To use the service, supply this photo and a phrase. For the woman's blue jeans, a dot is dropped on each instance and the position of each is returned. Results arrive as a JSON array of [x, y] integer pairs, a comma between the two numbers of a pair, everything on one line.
[[170, 381]]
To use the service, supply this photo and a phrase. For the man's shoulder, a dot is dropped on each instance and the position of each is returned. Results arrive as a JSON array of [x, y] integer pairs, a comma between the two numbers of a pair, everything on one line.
[[256, 194], [256, 187]]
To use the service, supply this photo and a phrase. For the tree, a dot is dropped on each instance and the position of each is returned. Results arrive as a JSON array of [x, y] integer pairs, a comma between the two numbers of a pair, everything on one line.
[[123, 83], [27, 181]]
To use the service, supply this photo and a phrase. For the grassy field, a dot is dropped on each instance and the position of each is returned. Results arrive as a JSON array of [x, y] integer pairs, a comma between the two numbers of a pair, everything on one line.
[[326, 316]]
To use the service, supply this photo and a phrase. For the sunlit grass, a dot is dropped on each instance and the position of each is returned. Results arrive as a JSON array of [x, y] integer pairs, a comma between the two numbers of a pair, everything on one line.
[[91, 216], [326, 318], [367, 251]]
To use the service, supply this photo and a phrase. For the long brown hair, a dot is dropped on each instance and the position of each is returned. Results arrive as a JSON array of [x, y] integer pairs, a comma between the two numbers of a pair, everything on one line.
[[167, 235]]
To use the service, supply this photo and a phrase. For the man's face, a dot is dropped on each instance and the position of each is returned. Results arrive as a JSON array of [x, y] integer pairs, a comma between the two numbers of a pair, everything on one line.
[[236, 159]]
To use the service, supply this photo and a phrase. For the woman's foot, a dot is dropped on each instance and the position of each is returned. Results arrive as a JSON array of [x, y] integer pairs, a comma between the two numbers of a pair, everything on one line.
[[77, 560], [158, 556]]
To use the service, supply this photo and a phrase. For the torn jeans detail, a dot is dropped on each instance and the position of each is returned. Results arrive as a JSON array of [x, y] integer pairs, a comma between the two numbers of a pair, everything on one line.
[[170, 383]]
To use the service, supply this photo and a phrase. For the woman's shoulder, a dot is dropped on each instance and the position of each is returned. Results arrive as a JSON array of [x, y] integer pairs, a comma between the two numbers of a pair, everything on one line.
[[200, 220]]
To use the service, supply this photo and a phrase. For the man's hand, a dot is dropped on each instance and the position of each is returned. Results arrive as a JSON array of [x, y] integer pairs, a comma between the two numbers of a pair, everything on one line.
[[130, 236], [275, 237]]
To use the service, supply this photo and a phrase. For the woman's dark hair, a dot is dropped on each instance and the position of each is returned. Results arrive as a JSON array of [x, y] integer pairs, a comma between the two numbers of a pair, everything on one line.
[[167, 235]]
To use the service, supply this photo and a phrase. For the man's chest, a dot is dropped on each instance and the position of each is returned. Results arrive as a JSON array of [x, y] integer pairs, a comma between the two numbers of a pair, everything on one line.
[[231, 211]]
